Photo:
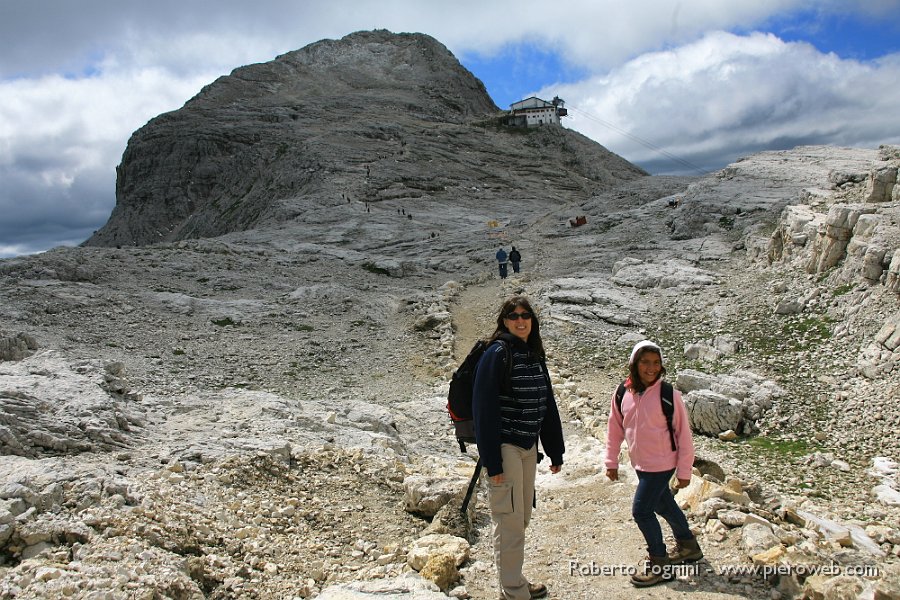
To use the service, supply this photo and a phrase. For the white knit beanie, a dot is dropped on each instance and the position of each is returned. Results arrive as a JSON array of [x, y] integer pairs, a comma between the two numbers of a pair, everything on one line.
[[644, 344]]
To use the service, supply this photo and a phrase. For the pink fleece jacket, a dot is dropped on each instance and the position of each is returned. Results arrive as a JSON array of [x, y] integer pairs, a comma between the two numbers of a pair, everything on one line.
[[642, 425]]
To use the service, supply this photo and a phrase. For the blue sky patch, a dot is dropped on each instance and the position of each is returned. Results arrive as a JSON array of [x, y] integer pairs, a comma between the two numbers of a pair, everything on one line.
[[519, 70], [854, 36]]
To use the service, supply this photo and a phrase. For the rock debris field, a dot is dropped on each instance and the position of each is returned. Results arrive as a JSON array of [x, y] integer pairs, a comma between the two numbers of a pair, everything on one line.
[[260, 414]]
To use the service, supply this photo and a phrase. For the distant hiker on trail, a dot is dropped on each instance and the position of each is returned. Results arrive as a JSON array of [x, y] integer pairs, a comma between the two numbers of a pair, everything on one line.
[[501, 259], [515, 258], [507, 429], [656, 452]]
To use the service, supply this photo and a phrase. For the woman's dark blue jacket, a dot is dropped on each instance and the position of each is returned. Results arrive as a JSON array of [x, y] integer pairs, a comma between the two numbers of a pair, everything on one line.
[[518, 413]]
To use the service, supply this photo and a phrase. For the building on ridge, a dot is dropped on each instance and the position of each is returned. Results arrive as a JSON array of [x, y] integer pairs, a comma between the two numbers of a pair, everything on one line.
[[534, 112]]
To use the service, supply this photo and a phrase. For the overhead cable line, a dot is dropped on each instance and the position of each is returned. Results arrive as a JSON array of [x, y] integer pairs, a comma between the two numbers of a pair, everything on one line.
[[646, 143]]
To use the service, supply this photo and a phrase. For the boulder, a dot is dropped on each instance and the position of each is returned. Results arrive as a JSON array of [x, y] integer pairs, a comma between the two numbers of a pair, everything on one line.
[[441, 569], [893, 276], [711, 413], [409, 586], [842, 587], [427, 546], [756, 538], [880, 183], [17, 347], [833, 236], [426, 495]]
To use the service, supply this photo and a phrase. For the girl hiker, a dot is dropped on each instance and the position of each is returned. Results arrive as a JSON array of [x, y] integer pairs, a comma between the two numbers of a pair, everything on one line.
[[655, 455], [513, 409]]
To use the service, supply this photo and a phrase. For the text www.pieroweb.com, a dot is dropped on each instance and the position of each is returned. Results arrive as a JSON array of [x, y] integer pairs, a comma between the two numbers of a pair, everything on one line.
[[595, 569]]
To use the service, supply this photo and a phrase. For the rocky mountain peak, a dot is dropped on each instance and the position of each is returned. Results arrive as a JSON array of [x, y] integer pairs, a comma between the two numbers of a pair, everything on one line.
[[415, 72], [373, 117]]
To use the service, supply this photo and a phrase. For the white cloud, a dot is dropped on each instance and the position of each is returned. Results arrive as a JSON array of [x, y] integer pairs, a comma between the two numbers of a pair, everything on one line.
[[79, 78], [60, 140], [716, 98]]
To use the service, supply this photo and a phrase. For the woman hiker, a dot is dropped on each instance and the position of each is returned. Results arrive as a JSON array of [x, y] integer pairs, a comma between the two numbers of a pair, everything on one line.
[[656, 456], [510, 417]]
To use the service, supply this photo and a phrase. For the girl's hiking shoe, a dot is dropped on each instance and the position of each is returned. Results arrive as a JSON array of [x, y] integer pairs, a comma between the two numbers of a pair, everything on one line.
[[686, 551], [653, 570]]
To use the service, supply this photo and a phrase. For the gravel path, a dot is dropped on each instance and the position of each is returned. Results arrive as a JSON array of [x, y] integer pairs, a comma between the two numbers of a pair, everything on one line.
[[581, 540]]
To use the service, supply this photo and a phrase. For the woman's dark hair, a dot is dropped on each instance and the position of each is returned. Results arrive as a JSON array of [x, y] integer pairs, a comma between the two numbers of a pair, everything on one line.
[[636, 384], [534, 338]]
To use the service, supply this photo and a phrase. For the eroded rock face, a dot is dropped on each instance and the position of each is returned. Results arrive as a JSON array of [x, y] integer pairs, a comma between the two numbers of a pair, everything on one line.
[[374, 117], [291, 375], [48, 408], [17, 347]]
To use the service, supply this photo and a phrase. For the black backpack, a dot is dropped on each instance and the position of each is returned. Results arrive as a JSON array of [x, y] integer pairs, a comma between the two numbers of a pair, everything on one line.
[[459, 398], [666, 399], [459, 404]]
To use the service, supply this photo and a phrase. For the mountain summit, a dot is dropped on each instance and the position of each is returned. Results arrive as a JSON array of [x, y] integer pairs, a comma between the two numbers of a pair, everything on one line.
[[373, 117]]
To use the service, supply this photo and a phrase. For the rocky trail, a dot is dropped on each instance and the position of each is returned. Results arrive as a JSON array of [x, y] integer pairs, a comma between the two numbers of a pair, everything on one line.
[[259, 415], [581, 541]]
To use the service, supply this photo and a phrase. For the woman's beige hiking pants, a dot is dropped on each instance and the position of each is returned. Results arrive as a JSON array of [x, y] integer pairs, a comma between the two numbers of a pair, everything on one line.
[[511, 503]]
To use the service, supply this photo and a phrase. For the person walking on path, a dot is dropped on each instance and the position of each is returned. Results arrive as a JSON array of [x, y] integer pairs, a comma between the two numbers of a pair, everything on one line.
[[655, 456], [515, 258], [501, 259], [513, 408]]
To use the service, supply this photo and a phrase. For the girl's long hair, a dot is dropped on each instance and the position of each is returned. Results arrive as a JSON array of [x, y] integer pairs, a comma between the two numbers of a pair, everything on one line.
[[535, 344], [634, 378]]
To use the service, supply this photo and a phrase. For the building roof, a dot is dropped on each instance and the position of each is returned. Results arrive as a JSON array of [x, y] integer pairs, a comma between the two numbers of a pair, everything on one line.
[[533, 102]]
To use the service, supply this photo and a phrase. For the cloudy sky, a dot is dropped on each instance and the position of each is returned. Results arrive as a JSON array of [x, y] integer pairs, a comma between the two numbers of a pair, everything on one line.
[[673, 86]]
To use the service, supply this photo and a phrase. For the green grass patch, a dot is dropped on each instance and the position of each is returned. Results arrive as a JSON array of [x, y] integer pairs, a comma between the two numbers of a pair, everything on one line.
[[788, 334], [843, 289], [777, 448], [811, 328]]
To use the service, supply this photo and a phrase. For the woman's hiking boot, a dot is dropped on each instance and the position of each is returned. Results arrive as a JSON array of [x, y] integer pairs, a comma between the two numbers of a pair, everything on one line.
[[686, 551], [653, 570]]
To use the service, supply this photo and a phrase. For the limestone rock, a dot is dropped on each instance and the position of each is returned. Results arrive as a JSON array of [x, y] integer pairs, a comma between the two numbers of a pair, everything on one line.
[[711, 413], [426, 495], [756, 538], [726, 402], [842, 587], [880, 183], [772, 556], [429, 545], [668, 274], [893, 275], [17, 347], [51, 410], [441, 569], [833, 236], [409, 586]]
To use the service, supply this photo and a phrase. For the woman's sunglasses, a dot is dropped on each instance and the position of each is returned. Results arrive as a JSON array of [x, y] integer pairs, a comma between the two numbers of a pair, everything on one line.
[[514, 316]]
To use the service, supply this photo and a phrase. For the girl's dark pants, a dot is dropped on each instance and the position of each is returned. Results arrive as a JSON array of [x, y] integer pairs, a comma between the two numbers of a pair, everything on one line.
[[653, 497]]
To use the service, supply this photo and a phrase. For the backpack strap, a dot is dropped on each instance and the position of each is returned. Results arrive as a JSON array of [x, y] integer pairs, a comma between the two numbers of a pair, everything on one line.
[[666, 399], [507, 381], [506, 388], [620, 393]]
